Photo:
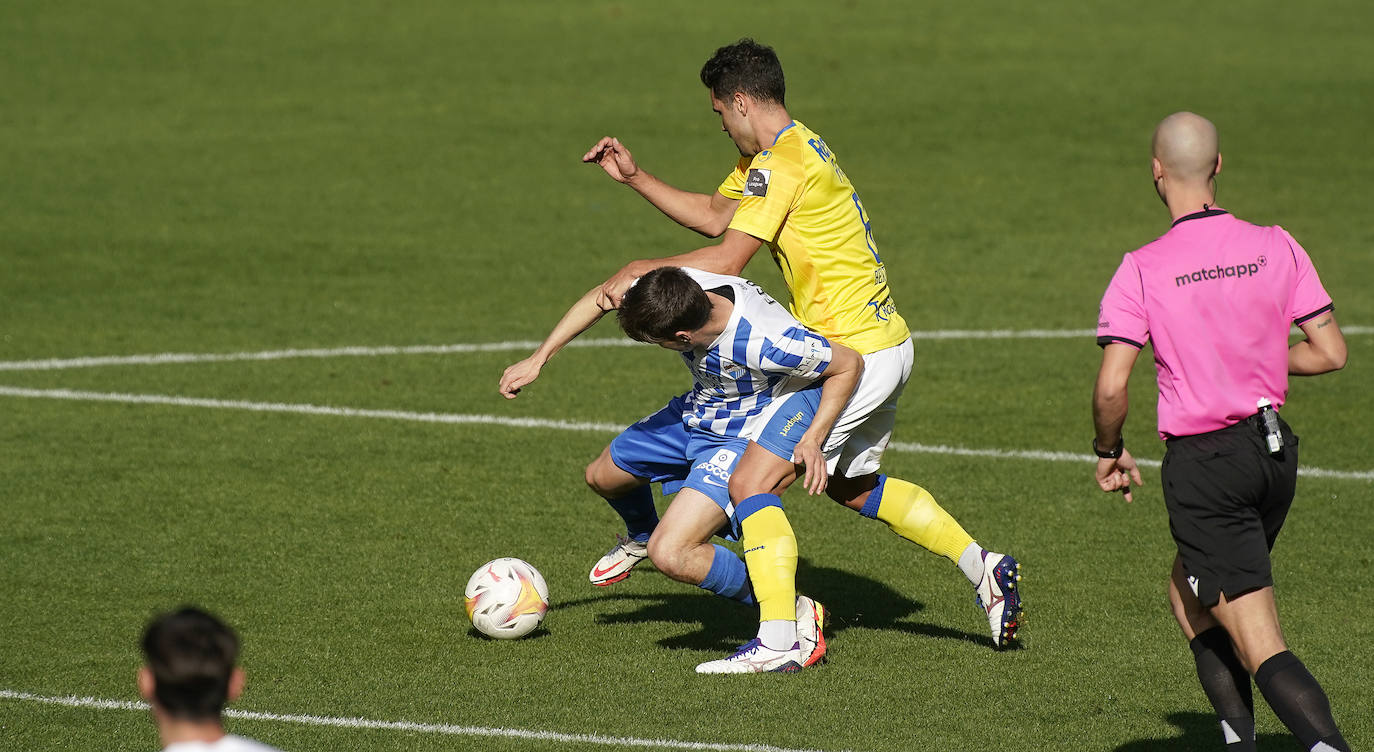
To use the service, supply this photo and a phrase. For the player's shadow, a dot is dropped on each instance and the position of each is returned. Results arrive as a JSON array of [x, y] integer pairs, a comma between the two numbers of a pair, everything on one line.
[[1200, 731], [850, 600]]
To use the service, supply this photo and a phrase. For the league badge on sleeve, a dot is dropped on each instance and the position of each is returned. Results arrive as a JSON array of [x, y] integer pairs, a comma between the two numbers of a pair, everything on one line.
[[757, 182]]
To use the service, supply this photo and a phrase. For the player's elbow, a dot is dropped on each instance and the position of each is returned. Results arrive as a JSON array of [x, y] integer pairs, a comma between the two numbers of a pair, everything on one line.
[[1328, 357], [1337, 356], [713, 226], [1108, 397]]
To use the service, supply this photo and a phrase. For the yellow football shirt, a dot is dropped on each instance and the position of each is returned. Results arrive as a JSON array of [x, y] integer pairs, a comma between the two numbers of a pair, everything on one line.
[[795, 198]]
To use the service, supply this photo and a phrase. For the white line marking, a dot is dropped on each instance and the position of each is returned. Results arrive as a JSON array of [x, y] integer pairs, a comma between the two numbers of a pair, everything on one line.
[[97, 703], [561, 425], [1037, 454], [334, 352], [304, 409], [56, 364]]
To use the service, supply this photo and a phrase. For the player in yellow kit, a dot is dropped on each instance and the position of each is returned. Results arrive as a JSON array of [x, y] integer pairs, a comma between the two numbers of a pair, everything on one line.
[[788, 193]]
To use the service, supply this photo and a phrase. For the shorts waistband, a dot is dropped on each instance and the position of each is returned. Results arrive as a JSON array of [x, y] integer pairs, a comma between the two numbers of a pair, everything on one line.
[[1253, 423]]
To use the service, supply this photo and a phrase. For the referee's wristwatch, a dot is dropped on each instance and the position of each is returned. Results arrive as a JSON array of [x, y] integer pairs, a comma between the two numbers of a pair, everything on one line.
[[1110, 454]]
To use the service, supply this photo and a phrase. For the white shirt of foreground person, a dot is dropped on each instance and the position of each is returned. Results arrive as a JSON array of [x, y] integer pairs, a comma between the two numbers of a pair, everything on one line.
[[226, 743]]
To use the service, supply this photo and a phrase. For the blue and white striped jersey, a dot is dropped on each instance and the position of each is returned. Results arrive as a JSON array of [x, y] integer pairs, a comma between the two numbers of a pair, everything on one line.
[[763, 354]]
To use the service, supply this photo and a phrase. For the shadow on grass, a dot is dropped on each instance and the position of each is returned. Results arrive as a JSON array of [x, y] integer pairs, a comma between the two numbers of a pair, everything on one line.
[[850, 600], [1201, 732]]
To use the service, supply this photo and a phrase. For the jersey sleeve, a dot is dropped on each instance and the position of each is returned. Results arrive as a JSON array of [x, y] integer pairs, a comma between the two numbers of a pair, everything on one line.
[[799, 352], [1307, 299], [733, 185], [770, 191], [1121, 317]]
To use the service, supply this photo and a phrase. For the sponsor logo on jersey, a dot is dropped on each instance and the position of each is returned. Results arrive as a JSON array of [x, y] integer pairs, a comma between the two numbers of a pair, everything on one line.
[[757, 182], [792, 421], [1222, 272]]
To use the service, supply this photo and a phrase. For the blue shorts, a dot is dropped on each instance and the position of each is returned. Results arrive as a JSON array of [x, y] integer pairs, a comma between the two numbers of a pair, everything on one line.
[[665, 450]]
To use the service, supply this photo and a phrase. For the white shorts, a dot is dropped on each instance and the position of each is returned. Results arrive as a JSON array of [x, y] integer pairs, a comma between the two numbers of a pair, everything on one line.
[[863, 430]]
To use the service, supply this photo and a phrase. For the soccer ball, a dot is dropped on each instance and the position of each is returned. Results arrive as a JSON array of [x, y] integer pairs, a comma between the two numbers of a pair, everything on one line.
[[506, 598]]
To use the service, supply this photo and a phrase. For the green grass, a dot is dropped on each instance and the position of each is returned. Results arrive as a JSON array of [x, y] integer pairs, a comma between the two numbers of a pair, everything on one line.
[[253, 176]]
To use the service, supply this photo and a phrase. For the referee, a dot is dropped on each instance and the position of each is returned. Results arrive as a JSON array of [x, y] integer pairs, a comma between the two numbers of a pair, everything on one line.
[[1216, 296]]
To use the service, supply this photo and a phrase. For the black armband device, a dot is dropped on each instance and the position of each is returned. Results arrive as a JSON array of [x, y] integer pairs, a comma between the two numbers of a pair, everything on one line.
[[1110, 454]]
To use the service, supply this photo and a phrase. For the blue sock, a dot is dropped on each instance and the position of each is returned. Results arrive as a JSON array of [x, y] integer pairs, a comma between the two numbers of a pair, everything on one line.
[[637, 509], [874, 500], [729, 577]]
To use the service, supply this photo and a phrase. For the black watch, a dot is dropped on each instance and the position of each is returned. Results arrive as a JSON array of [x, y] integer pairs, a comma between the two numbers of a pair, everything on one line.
[[1110, 454]]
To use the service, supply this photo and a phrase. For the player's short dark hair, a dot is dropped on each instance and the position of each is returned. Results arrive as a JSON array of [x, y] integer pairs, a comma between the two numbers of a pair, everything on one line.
[[191, 655], [662, 303], [745, 66]]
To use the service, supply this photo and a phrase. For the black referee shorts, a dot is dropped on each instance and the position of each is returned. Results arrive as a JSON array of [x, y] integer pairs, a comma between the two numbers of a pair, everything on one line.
[[1227, 498]]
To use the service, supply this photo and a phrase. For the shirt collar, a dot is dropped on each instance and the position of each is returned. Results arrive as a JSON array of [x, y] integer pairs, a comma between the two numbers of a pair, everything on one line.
[[784, 130], [1199, 215]]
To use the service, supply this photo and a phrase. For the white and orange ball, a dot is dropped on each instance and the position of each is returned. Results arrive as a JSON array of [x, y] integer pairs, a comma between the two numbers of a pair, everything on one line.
[[506, 598]]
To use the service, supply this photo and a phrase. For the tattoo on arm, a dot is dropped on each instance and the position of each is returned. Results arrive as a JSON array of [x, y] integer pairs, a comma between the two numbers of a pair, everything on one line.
[[1323, 323]]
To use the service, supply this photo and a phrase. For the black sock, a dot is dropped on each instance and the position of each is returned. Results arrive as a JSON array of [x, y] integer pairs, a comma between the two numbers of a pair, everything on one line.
[[1298, 701], [1227, 685]]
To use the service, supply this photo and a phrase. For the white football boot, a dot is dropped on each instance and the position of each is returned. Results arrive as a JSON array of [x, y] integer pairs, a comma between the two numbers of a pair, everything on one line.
[[753, 658], [617, 563]]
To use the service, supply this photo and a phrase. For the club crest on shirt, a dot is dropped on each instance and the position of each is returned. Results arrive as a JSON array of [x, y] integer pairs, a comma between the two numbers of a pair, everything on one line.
[[732, 369], [757, 182]]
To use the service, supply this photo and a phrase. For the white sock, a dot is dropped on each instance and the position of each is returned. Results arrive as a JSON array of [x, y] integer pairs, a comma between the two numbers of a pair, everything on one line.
[[778, 634], [971, 563]]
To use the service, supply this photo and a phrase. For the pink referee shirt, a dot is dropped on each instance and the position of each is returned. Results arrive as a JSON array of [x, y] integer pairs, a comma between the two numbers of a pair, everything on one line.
[[1217, 297]]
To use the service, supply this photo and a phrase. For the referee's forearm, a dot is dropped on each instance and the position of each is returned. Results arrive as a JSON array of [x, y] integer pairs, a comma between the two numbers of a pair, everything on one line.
[[1109, 414]]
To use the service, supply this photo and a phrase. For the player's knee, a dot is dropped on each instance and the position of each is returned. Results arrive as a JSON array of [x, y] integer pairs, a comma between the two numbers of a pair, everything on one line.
[[605, 477], [749, 481], [592, 476], [744, 484], [668, 555]]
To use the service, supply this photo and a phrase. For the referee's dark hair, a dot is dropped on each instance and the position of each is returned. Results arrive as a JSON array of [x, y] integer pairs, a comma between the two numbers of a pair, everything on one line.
[[191, 655], [662, 303], [748, 67]]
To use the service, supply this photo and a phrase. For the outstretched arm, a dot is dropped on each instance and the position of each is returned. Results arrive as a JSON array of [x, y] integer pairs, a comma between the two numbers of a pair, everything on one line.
[[708, 214], [1109, 416], [1322, 351], [578, 319], [837, 386]]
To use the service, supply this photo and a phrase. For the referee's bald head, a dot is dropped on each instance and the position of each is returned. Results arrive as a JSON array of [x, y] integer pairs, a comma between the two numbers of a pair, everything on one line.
[[1186, 146]]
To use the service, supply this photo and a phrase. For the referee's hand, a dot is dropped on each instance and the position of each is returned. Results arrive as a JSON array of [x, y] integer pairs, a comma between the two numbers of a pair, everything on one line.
[[1117, 474]]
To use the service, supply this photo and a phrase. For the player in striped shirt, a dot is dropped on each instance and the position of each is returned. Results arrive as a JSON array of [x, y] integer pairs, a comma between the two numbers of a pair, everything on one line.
[[788, 193], [755, 373]]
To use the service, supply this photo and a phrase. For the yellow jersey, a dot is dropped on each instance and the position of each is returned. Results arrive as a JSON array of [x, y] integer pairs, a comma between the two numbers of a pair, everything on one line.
[[795, 198]]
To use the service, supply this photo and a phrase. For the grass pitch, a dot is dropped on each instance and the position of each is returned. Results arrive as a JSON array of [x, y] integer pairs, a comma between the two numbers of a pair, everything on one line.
[[249, 176]]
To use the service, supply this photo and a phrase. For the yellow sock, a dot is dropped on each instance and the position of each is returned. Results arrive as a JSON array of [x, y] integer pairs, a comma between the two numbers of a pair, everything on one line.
[[770, 551], [912, 513]]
